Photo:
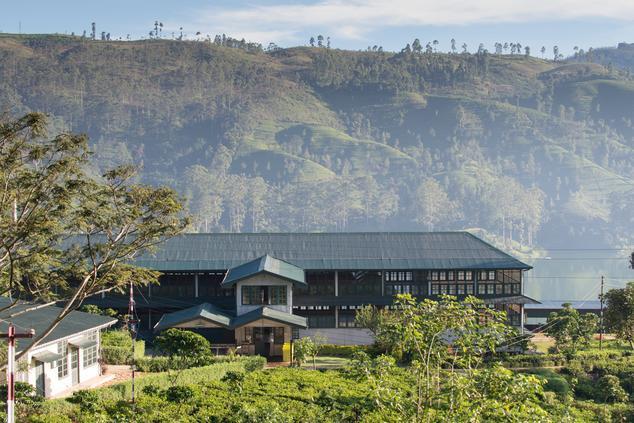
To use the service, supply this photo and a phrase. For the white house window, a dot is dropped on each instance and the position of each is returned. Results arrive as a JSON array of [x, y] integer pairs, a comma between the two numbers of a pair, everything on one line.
[[90, 355], [62, 363], [93, 335]]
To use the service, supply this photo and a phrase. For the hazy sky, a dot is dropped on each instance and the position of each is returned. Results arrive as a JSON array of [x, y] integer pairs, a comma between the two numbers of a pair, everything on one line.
[[350, 24]]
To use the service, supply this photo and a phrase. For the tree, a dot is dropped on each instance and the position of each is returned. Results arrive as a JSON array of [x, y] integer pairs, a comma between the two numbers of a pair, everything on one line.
[[556, 53], [320, 40], [543, 51], [433, 205], [570, 329], [45, 195], [183, 348], [182, 343], [416, 46], [453, 45], [308, 347], [609, 389], [527, 51], [312, 41], [619, 313], [445, 342]]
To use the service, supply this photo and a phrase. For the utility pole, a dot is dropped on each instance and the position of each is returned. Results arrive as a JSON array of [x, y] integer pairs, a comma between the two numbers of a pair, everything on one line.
[[132, 322], [601, 316], [11, 336]]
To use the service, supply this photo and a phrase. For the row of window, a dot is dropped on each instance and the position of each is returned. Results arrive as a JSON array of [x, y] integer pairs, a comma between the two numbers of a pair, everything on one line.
[[90, 356], [499, 288], [452, 289], [351, 283], [264, 295]]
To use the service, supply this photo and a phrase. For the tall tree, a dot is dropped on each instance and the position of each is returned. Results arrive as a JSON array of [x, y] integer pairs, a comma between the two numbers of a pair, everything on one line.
[[46, 194], [433, 205], [619, 313]]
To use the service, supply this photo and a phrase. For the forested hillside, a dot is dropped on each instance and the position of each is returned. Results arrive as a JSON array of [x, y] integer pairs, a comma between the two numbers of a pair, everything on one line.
[[311, 139]]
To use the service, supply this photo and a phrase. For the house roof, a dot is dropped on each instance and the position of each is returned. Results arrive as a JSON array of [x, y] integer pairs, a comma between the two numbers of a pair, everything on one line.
[[270, 314], [204, 311], [265, 264], [209, 312], [40, 318], [331, 251], [515, 299]]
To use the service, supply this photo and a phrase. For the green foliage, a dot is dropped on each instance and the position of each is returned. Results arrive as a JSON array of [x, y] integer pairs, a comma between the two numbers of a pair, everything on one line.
[[116, 347], [609, 389], [267, 141], [343, 351], [308, 348], [46, 193], [182, 343], [93, 309], [571, 329], [619, 313], [27, 401]]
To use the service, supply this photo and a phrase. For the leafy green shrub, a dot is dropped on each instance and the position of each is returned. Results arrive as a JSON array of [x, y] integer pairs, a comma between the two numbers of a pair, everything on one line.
[[343, 351], [27, 401], [609, 389], [182, 343], [88, 401], [554, 382], [116, 347], [254, 363], [179, 394]]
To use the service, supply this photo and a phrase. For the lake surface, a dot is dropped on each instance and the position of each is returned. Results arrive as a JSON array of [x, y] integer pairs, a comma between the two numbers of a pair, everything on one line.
[[576, 275]]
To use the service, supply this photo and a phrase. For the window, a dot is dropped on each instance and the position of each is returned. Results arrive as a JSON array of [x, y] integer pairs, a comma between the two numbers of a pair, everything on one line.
[[252, 295], [317, 283], [451, 282], [259, 295], [278, 335], [492, 275], [62, 363], [277, 295], [93, 335], [90, 355], [363, 282]]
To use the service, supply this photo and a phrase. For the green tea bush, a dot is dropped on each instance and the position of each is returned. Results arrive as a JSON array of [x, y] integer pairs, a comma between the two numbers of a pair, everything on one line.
[[343, 351], [609, 389], [116, 347]]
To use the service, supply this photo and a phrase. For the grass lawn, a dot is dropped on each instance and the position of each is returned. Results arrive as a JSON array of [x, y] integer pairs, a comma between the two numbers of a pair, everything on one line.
[[327, 363]]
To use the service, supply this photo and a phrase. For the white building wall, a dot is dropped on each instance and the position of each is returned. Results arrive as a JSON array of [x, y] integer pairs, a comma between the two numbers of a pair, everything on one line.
[[341, 336], [54, 385], [264, 280]]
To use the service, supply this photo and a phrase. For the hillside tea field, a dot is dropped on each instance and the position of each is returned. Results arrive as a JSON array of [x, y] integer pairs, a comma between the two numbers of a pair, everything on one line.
[[528, 151]]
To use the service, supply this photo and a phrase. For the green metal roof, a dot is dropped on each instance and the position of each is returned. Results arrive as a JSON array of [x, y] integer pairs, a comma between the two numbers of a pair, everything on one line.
[[204, 311], [40, 318], [331, 251], [209, 312], [271, 314], [265, 264]]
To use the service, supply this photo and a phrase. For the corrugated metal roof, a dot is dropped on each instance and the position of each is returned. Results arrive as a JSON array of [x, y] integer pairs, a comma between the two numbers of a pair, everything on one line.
[[271, 314], [265, 264], [209, 312], [331, 251], [39, 319], [202, 311]]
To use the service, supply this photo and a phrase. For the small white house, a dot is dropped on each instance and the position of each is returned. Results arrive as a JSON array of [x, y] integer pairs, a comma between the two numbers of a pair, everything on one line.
[[65, 358]]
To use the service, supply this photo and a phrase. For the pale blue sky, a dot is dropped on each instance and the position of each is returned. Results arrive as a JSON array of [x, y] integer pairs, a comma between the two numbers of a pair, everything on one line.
[[352, 24]]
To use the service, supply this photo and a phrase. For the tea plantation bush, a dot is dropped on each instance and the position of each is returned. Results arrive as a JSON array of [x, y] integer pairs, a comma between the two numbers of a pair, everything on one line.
[[116, 347]]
